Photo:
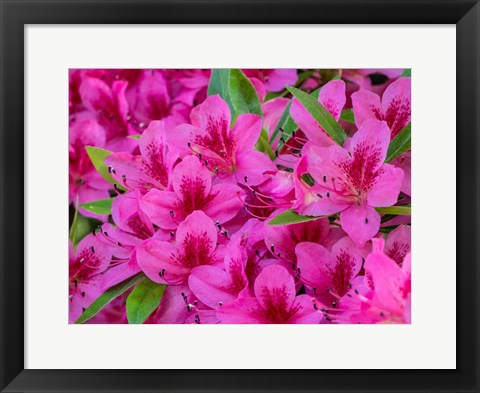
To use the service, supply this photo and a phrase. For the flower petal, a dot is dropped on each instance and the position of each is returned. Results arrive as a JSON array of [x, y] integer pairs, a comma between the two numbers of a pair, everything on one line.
[[275, 289], [366, 105], [386, 188], [396, 103], [360, 222]]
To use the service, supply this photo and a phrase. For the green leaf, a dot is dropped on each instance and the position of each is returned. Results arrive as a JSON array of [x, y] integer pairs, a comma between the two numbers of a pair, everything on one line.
[[243, 95], [347, 115], [286, 123], [291, 217], [407, 72], [97, 156], [263, 145], [143, 300], [400, 144], [108, 296], [397, 210], [74, 227], [219, 84], [321, 115], [134, 136], [102, 206]]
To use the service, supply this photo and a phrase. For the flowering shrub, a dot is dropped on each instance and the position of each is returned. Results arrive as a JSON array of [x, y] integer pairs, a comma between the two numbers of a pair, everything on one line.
[[239, 196]]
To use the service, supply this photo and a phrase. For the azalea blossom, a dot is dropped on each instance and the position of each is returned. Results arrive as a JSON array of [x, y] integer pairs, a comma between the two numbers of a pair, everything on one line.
[[192, 190], [274, 302], [195, 245], [227, 152], [353, 181]]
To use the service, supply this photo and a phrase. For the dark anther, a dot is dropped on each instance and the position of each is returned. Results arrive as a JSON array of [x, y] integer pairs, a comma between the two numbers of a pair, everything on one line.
[[195, 302], [356, 291], [119, 244], [366, 220], [278, 255], [334, 304], [83, 309], [161, 273], [276, 153], [328, 319], [171, 213], [318, 195], [83, 294], [246, 179], [315, 306], [76, 283], [206, 162], [197, 319], [200, 156], [272, 248], [349, 294], [382, 314], [105, 233], [328, 195], [257, 253], [93, 249], [324, 179], [188, 144], [220, 303], [299, 271], [172, 234]]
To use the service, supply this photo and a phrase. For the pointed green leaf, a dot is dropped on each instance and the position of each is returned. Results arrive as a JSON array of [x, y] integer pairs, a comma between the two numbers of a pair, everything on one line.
[[102, 206], [347, 115], [143, 300], [291, 217], [108, 296], [321, 115], [74, 227], [397, 210], [400, 144], [97, 156], [219, 84], [407, 72], [263, 145], [243, 95]]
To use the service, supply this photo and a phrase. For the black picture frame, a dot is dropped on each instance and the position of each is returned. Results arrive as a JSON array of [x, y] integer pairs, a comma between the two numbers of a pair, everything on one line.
[[15, 14]]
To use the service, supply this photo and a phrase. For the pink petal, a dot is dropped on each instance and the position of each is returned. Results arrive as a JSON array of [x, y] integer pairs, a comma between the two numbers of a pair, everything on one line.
[[386, 188], [253, 165], [370, 143], [398, 243], [211, 285], [226, 204], [212, 112], [191, 181], [279, 79], [396, 103], [361, 223], [157, 260], [247, 131], [313, 260], [96, 95], [366, 105], [332, 97], [275, 288], [172, 308], [272, 112], [305, 312], [242, 311], [197, 234], [157, 205]]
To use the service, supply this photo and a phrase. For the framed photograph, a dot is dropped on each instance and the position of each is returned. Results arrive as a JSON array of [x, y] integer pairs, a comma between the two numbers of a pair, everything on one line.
[[240, 196]]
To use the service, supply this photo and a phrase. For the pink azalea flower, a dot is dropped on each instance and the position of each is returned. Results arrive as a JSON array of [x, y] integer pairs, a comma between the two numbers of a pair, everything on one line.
[[394, 107], [227, 152], [353, 181], [87, 263], [192, 190], [390, 285], [86, 183], [196, 245], [328, 274], [332, 97], [274, 302], [152, 168]]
